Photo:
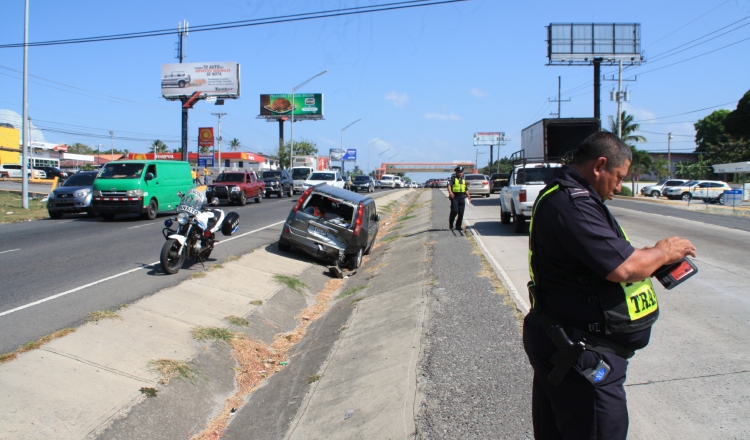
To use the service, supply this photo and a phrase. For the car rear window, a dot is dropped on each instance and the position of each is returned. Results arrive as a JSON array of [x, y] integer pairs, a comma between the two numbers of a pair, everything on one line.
[[535, 175], [322, 176], [475, 177], [271, 174], [230, 177]]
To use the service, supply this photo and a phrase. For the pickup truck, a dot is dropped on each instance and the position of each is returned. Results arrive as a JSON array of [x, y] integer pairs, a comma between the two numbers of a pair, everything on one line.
[[528, 177], [236, 187]]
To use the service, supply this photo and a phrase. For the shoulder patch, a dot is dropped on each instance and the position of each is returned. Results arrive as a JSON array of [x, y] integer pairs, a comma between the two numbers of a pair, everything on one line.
[[576, 193]]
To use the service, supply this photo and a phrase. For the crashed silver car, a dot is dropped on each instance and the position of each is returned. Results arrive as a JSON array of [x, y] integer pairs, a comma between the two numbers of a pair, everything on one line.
[[332, 224]]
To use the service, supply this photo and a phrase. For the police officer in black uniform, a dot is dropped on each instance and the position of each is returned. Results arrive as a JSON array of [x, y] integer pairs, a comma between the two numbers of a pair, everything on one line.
[[592, 300], [458, 193]]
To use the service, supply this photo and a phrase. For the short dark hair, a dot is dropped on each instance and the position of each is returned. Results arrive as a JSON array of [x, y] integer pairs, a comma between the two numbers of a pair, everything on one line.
[[603, 144]]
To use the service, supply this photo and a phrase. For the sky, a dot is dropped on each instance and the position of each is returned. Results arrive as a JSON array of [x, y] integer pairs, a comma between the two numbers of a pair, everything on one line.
[[421, 80]]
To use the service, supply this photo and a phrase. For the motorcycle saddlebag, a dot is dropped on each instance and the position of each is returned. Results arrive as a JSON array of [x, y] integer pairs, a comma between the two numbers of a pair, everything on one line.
[[231, 224]]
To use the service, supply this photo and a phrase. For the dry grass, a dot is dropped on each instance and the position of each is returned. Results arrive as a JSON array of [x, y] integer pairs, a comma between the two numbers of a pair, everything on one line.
[[209, 333], [351, 291], [231, 258], [11, 208], [95, 317], [391, 238], [197, 275], [293, 283], [256, 302], [358, 299], [7, 357], [407, 217], [169, 369], [216, 266], [237, 321], [499, 288], [313, 378]]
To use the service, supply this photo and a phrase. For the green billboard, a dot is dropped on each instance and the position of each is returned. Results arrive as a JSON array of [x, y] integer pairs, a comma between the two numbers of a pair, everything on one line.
[[306, 105]]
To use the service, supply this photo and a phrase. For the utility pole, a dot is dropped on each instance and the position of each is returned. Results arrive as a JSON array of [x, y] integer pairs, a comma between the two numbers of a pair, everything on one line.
[[502, 143], [669, 154], [24, 121], [218, 139], [476, 158], [112, 145], [558, 100], [597, 89], [619, 96], [99, 156], [182, 32]]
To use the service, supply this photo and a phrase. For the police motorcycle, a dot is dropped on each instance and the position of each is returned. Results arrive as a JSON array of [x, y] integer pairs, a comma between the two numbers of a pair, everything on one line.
[[195, 236]]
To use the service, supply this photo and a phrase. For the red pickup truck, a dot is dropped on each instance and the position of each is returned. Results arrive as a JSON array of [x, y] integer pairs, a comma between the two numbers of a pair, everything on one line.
[[236, 187]]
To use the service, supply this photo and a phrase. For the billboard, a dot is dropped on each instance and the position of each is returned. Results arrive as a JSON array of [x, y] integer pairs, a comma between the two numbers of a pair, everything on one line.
[[488, 138], [576, 43], [181, 80], [206, 137], [306, 106], [351, 154], [335, 154]]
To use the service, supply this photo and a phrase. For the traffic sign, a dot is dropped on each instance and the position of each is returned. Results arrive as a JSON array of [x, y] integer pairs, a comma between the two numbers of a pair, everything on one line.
[[733, 197]]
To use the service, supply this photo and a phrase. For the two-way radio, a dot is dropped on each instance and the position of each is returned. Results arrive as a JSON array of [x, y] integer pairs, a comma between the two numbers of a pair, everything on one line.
[[672, 275]]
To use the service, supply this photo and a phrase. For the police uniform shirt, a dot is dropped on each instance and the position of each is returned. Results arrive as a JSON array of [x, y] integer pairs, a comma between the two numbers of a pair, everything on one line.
[[573, 231]]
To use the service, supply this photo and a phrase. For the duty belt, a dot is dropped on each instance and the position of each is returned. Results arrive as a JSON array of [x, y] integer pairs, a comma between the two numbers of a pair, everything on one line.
[[571, 343]]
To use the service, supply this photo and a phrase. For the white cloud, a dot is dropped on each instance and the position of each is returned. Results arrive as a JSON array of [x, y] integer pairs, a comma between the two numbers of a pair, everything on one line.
[[478, 93], [13, 118], [443, 116], [398, 99], [327, 141]]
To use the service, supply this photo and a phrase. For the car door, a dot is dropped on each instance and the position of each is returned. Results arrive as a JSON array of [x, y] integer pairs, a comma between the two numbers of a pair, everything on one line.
[[700, 191]]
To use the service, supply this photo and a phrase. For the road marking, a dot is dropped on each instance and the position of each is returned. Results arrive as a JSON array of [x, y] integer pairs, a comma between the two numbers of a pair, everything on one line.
[[12, 250], [145, 266], [140, 226]]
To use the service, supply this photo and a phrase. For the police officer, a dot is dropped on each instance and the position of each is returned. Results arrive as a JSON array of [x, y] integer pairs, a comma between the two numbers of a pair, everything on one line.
[[592, 300], [458, 193]]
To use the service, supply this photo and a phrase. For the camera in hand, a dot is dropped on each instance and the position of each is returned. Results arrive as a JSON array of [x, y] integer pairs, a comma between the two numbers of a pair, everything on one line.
[[672, 275]]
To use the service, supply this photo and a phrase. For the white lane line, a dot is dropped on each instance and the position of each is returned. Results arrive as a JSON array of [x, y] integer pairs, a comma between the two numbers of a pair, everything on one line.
[[12, 250], [147, 224], [146, 266]]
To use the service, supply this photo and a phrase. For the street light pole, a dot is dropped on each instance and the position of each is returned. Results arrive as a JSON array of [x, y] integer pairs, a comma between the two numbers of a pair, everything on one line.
[[342, 142], [24, 120], [219, 115], [294, 90], [368, 153], [669, 154], [387, 149]]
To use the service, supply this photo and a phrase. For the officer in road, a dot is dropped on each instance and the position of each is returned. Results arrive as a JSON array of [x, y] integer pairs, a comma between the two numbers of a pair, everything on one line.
[[592, 300], [458, 193]]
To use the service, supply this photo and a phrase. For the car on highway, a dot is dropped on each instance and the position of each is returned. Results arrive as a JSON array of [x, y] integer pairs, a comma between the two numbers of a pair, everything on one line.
[[236, 187], [278, 182], [14, 171], [478, 185], [363, 183], [388, 181], [498, 181], [332, 178], [332, 224], [53, 172], [698, 189], [657, 190], [73, 196]]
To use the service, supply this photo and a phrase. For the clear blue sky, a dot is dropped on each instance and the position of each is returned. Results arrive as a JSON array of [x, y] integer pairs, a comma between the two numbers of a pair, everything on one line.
[[422, 80]]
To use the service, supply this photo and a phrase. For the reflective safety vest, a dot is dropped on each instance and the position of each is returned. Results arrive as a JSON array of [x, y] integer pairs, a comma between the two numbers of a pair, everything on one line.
[[632, 307], [459, 185]]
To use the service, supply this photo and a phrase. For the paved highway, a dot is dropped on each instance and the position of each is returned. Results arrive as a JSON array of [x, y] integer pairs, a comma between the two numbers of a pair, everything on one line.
[[91, 265]]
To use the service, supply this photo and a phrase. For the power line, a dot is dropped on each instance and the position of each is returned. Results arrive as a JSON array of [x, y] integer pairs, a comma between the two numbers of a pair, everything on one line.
[[248, 23], [702, 42], [686, 113], [688, 23]]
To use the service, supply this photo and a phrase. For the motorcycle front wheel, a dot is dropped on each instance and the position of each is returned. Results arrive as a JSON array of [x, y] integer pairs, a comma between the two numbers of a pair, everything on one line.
[[171, 258]]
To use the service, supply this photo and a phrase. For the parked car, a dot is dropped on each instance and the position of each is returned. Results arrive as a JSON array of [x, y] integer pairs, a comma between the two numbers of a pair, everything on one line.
[[333, 224], [236, 187], [53, 172], [377, 184], [698, 189], [14, 171], [363, 183], [498, 181], [332, 178], [278, 182], [73, 196], [478, 185], [658, 189]]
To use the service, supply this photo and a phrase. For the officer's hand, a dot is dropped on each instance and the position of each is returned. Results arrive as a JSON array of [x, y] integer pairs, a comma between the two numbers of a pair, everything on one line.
[[676, 248]]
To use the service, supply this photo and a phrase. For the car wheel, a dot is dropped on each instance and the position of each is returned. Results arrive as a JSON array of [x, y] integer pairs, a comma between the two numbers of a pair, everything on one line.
[[259, 197], [280, 194], [721, 199], [55, 215], [504, 217], [284, 244], [243, 198], [655, 193], [181, 84], [355, 260], [150, 213], [686, 196], [519, 223], [108, 217], [289, 192]]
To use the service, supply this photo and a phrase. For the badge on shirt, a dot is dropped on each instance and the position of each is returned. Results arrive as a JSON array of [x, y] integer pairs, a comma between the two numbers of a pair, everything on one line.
[[576, 193]]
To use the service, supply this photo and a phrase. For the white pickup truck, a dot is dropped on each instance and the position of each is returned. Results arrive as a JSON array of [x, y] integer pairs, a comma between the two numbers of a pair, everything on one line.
[[524, 183]]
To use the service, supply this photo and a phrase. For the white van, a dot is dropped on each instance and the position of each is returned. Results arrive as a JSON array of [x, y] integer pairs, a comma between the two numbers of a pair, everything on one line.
[[14, 171], [389, 181]]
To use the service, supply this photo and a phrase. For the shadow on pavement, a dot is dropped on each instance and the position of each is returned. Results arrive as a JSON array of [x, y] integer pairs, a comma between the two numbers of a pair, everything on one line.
[[496, 229]]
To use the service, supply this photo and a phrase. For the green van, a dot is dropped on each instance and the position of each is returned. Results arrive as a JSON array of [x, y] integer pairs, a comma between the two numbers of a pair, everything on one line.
[[146, 187]]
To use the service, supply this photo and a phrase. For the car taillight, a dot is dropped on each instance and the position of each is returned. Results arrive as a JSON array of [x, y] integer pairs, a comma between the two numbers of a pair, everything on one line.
[[485, 183], [358, 221], [522, 195], [302, 199]]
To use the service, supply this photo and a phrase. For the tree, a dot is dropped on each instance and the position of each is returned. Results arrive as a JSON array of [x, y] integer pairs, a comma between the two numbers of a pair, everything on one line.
[[79, 148], [158, 146], [504, 165], [710, 130], [660, 168], [641, 164], [235, 144], [732, 150], [737, 122], [302, 147], [628, 128], [357, 171]]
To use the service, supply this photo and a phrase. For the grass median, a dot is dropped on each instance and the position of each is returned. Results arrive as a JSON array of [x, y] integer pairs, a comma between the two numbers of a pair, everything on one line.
[[11, 209]]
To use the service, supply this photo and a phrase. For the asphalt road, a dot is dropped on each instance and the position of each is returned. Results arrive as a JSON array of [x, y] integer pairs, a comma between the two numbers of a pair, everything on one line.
[[92, 265]]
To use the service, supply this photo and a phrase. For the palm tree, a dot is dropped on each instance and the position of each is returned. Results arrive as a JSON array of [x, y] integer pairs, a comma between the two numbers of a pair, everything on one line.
[[628, 128], [234, 144], [661, 168], [641, 164], [158, 146]]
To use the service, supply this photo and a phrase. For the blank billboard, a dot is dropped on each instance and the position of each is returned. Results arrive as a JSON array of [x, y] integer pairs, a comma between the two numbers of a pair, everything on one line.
[[570, 43]]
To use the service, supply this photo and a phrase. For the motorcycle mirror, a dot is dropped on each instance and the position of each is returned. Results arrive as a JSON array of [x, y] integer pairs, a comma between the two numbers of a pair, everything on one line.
[[214, 201], [180, 194]]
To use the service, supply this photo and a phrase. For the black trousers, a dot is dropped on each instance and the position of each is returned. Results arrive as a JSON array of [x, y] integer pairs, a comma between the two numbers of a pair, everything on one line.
[[574, 408], [458, 204]]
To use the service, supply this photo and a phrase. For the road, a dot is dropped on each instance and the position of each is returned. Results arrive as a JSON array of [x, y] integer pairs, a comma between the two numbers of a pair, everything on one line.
[[693, 379], [92, 265]]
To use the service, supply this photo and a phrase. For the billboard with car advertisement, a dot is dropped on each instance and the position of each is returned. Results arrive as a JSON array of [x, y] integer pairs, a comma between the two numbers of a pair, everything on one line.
[[210, 79], [306, 106]]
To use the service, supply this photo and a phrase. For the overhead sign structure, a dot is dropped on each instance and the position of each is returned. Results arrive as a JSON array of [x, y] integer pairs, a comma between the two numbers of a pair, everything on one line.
[[220, 80], [351, 154], [488, 138], [582, 43], [206, 137], [305, 106]]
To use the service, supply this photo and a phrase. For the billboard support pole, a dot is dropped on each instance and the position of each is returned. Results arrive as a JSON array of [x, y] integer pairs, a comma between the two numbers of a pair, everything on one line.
[[597, 89], [24, 119], [184, 148]]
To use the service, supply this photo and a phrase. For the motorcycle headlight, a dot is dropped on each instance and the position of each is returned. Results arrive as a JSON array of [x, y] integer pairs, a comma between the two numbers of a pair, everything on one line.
[[135, 193], [235, 188], [83, 192], [182, 218]]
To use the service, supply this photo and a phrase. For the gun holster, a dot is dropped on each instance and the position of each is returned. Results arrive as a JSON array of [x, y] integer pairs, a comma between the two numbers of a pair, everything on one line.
[[567, 355]]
